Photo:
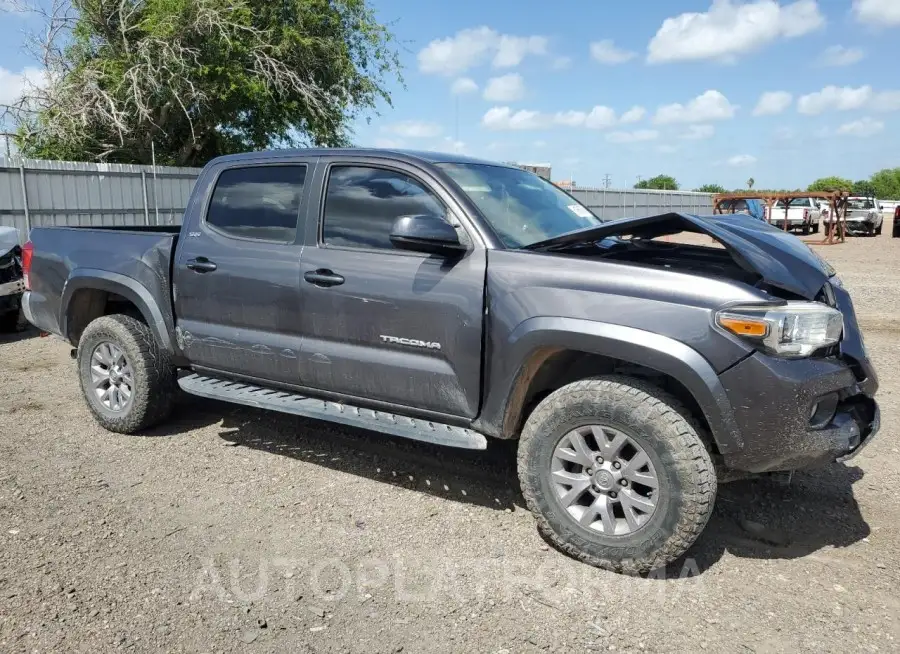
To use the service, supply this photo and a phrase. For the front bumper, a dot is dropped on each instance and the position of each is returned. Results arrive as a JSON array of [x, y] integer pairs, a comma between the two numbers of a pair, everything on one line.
[[804, 413], [11, 295], [797, 414]]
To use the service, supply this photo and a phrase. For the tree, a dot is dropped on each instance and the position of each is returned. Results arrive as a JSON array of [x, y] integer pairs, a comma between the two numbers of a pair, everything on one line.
[[831, 184], [886, 184], [201, 78], [750, 183], [711, 188], [660, 182], [863, 187]]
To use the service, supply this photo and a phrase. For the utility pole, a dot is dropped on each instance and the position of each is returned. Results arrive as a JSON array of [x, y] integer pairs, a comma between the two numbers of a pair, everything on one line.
[[639, 179], [606, 180]]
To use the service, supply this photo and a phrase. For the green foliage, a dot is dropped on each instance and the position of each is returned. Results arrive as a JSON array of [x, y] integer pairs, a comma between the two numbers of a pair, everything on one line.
[[660, 182], [863, 187], [831, 184], [886, 184], [202, 78], [750, 183], [711, 188]]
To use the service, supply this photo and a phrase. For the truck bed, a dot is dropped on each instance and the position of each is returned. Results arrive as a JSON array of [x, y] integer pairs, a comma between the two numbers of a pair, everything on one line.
[[138, 257]]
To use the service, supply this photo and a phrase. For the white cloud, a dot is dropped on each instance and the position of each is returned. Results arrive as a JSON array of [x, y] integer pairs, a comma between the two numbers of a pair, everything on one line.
[[414, 129], [561, 63], [506, 88], [503, 118], [886, 101], [600, 117], [14, 85], [834, 98], [452, 145], [730, 29], [772, 103], [637, 136], [513, 49], [634, 115], [839, 55], [463, 85], [707, 107], [698, 132], [862, 128], [739, 160], [474, 46], [607, 53], [877, 12]]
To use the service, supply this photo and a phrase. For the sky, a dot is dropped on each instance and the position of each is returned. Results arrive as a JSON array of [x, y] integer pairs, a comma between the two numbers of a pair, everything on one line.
[[709, 91]]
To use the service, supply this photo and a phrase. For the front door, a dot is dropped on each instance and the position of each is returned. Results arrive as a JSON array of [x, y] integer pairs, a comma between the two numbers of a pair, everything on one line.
[[237, 299], [386, 324]]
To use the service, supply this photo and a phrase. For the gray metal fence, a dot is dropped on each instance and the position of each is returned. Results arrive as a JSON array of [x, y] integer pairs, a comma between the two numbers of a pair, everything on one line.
[[34, 193], [610, 204]]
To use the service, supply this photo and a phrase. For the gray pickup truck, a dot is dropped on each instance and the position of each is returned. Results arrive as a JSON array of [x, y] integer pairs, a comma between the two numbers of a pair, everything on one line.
[[453, 301]]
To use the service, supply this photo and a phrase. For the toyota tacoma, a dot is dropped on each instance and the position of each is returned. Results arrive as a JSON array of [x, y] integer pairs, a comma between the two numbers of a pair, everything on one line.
[[451, 300]]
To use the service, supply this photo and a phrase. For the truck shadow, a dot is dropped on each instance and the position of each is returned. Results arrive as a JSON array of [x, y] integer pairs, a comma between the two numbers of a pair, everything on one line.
[[765, 519], [758, 518]]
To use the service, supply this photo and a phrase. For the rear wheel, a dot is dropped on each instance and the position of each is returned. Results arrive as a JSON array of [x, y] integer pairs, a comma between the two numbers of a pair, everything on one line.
[[616, 474], [127, 381], [878, 230]]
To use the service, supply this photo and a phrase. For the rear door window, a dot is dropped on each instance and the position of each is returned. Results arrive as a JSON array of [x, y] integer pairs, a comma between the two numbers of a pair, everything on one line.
[[259, 202]]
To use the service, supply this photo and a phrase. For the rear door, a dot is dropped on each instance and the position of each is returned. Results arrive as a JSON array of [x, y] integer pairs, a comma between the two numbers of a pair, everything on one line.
[[237, 274], [392, 325]]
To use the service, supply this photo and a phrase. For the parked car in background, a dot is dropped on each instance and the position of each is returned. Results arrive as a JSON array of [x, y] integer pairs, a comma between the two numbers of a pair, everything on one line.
[[803, 214], [11, 284], [896, 231], [451, 300], [864, 216]]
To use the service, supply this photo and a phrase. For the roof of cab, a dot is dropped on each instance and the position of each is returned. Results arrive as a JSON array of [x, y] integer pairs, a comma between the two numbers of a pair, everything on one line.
[[407, 155]]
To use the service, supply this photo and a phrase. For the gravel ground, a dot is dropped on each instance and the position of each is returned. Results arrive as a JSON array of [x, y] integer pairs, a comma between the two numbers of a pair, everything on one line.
[[231, 529]]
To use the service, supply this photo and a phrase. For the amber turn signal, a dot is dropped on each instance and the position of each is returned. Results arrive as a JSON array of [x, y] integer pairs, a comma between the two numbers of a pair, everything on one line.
[[744, 326]]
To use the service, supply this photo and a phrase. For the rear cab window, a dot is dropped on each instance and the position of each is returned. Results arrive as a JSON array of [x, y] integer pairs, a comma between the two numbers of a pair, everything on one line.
[[258, 202]]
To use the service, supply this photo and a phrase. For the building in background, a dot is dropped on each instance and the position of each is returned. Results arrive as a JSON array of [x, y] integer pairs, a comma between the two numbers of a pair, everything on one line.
[[541, 170], [566, 184]]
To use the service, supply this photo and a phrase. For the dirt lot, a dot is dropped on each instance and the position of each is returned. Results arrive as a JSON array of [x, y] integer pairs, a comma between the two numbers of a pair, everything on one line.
[[231, 529]]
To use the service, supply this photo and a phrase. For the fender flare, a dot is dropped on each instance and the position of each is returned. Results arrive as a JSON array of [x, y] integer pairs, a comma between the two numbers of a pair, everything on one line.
[[132, 290], [635, 346]]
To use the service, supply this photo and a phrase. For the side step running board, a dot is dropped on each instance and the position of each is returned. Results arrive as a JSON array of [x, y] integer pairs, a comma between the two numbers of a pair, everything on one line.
[[287, 402]]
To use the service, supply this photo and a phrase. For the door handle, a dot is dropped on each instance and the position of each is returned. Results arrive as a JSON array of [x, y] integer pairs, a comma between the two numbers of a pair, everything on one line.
[[323, 277], [201, 265]]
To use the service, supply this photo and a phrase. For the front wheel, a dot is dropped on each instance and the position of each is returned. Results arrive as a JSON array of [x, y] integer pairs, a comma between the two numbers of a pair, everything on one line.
[[127, 380], [616, 474]]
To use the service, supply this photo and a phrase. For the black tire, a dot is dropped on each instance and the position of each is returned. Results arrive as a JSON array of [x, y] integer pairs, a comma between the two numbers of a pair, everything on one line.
[[805, 229], [815, 228], [9, 322], [154, 389], [657, 421], [878, 230], [895, 233]]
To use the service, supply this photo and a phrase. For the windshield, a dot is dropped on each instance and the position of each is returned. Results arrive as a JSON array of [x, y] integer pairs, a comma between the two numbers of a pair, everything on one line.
[[521, 207], [859, 203]]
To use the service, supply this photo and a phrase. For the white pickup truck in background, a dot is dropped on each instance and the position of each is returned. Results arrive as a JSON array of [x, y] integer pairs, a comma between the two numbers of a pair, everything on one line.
[[802, 213], [864, 216]]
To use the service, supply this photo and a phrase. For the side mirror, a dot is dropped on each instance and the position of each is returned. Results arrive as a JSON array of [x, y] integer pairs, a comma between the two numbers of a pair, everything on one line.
[[426, 233]]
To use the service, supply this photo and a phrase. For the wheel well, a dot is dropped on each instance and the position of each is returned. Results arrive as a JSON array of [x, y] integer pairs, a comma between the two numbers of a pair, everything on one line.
[[88, 304], [556, 368]]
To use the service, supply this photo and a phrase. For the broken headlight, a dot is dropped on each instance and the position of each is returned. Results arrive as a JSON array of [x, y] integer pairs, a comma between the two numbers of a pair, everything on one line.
[[792, 330]]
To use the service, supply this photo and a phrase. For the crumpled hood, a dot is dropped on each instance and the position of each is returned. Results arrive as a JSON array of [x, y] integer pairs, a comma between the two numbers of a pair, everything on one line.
[[780, 258]]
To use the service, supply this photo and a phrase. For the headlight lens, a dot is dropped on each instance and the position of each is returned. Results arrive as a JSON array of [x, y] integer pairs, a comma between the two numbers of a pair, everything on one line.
[[793, 330]]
